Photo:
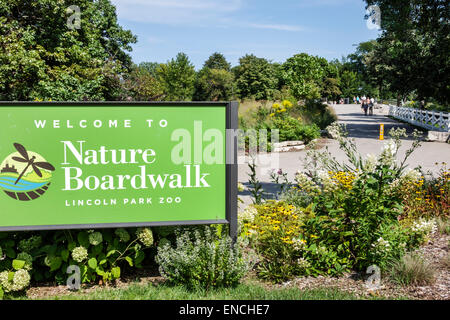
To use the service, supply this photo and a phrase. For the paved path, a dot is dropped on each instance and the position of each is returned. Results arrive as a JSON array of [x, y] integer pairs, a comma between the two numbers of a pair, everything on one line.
[[365, 130]]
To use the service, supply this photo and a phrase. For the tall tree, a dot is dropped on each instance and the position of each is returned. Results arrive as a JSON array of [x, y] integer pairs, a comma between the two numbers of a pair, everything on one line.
[[303, 74], [412, 52], [177, 77], [255, 78], [214, 85], [217, 61], [44, 57]]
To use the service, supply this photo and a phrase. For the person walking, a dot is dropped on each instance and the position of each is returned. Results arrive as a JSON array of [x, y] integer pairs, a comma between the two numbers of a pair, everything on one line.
[[370, 106], [365, 106], [357, 99]]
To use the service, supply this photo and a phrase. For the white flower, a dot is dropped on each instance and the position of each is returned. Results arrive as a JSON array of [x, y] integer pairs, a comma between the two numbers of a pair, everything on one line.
[[303, 263], [248, 215], [95, 238], [298, 244], [145, 236], [371, 163], [79, 254], [19, 281], [424, 226], [411, 175], [381, 246]]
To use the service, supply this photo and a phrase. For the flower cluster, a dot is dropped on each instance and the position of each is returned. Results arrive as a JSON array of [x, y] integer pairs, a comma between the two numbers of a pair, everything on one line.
[[248, 215], [145, 236], [123, 235], [79, 254], [14, 281], [381, 246], [343, 179], [370, 163], [424, 227], [302, 263], [298, 244], [306, 184], [95, 238], [277, 219], [336, 130], [280, 108]]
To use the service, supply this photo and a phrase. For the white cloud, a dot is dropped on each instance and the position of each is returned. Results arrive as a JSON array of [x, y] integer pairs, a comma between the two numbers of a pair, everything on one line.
[[205, 13], [175, 12], [279, 27]]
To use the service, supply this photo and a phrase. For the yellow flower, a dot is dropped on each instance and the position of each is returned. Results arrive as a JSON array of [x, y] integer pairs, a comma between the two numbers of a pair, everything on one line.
[[276, 105], [271, 115], [287, 104]]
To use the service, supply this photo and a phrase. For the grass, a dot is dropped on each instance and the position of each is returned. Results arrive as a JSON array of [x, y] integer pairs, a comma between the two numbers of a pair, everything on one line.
[[412, 269], [241, 292], [443, 225]]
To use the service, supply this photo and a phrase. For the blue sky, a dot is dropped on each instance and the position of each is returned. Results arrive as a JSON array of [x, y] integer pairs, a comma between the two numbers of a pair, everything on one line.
[[275, 30]]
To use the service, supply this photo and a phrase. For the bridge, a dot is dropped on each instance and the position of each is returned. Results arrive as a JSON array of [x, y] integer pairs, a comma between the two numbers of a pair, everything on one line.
[[431, 120]]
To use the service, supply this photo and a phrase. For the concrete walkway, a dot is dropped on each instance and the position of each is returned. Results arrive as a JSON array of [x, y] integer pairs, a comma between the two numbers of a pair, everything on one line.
[[365, 130]]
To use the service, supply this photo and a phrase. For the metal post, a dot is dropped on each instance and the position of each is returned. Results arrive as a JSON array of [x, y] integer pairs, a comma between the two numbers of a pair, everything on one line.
[[232, 170]]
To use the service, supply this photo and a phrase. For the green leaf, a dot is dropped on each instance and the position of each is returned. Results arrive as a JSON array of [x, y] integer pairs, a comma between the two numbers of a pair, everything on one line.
[[18, 264], [92, 263], [100, 272], [83, 239], [111, 252], [65, 254], [10, 253], [103, 261], [1, 294], [115, 272], [55, 263], [129, 260]]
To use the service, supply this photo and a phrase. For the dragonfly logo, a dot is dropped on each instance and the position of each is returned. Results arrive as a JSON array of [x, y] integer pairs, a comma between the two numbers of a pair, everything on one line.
[[25, 175]]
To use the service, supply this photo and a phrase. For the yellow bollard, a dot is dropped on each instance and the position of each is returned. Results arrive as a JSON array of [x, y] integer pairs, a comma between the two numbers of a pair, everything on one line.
[[381, 131]]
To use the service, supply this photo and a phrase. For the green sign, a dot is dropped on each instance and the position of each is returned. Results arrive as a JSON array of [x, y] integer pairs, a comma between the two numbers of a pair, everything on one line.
[[74, 165]]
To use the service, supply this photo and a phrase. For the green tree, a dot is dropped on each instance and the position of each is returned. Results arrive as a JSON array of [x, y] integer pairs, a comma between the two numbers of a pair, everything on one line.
[[150, 67], [141, 85], [412, 51], [178, 78], [349, 84], [217, 61], [304, 74], [41, 57], [255, 78], [214, 85]]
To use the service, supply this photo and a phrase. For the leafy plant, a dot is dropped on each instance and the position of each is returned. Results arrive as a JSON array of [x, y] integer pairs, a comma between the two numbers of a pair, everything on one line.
[[201, 259], [100, 255]]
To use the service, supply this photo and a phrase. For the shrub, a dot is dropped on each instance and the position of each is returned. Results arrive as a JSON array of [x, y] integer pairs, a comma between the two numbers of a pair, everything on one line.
[[201, 259], [46, 255], [356, 204], [292, 129], [412, 269], [317, 113]]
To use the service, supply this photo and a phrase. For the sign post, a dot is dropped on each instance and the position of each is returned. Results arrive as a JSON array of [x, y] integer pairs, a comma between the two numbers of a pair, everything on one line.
[[381, 131], [71, 165]]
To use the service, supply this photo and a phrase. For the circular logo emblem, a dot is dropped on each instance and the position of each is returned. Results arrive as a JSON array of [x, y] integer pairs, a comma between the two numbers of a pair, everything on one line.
[[25, 175]]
